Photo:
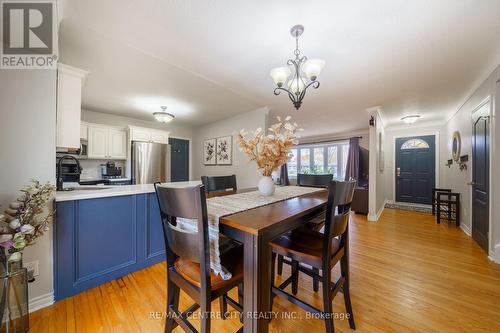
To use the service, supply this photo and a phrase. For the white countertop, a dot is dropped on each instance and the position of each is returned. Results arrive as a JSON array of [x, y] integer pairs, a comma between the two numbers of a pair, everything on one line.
[[113, 191]]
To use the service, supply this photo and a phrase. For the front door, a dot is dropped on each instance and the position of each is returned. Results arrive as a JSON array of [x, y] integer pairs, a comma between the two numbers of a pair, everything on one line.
[[480, 174], [180, 159], [415, 169]]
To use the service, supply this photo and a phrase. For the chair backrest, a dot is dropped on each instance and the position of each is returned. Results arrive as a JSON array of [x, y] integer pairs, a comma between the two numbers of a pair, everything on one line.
[[219, 183], [340, 195], [314, 180], [189, 203]]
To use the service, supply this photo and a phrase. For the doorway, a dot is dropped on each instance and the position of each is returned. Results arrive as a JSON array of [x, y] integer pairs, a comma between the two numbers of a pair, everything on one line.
[[415, 169], [481, 174], [179, 160]]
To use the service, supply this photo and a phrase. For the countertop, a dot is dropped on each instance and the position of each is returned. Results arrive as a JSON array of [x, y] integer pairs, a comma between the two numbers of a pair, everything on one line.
[[113, 191]]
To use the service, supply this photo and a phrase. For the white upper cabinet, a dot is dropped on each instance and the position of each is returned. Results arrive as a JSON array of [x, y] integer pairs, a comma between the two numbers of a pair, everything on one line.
[[106, 142], [69, 99], [148, 135], [84, 131], [117, 142]]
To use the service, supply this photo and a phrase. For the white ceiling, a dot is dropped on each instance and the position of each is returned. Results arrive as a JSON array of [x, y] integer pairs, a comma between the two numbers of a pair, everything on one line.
[[208, 60]]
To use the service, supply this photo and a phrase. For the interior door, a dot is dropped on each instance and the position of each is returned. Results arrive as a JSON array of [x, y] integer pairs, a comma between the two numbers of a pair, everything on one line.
[[179, 159], [480, 175], [415, 169]]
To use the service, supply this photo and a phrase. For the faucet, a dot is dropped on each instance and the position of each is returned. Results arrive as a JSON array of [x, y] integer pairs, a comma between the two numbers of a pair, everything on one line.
[[60, 182]]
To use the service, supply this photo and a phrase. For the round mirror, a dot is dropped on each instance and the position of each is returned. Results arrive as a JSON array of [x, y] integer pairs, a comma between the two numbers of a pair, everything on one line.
[[456, 145]]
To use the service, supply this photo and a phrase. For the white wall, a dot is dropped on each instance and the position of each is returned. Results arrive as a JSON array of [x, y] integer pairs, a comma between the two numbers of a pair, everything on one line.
[[456, 179], [247, 174], [27, 150], [377, 182], [408, 131]]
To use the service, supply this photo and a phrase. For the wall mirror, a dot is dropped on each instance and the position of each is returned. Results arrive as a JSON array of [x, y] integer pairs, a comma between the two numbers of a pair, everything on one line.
[[456, 146]]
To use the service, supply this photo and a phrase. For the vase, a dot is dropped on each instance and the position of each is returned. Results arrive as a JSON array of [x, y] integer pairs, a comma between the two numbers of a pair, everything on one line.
[[14, 296], [266, 186]]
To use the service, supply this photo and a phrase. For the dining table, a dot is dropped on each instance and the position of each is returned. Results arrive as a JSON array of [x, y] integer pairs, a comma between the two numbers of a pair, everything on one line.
[[255, 228]]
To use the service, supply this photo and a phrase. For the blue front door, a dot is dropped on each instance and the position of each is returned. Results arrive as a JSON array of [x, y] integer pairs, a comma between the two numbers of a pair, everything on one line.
[[415, 169]]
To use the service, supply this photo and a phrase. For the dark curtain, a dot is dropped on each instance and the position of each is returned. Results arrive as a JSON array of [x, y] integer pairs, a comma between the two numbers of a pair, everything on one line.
[[352, 167], [284, 175]]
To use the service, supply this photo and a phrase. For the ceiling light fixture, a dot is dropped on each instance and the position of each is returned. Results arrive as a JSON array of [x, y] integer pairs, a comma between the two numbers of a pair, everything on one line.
[[410, 119], [299, 74], [163, 117]]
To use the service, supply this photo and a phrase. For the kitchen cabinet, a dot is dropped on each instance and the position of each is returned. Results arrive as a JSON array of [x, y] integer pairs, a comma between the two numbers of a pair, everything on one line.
[[99, 240], [148, 135], [84, 131], [107, 143], [69, 99]]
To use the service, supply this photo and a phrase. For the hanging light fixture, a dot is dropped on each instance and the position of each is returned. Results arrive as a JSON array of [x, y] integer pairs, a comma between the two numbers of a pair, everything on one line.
[[163, 117], [299, 74]]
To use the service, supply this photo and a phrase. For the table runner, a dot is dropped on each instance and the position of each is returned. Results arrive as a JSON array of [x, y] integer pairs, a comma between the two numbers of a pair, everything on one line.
[[219, 207]]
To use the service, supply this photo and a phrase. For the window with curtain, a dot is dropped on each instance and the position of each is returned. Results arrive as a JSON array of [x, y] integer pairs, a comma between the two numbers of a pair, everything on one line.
[[319, 159]]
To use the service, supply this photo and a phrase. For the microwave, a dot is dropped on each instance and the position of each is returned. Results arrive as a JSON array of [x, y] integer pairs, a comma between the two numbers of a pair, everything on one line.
[[80, 153]]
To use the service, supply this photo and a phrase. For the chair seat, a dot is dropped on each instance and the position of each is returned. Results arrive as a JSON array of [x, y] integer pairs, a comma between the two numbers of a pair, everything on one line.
[[232, 260], [304, 245]]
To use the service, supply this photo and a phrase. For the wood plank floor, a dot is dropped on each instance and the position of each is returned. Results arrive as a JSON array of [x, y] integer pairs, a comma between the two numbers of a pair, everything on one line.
[[408, 275]]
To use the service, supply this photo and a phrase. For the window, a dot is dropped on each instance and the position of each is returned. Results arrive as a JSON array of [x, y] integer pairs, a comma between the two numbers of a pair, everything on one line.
[[414, 144], [319, 159]]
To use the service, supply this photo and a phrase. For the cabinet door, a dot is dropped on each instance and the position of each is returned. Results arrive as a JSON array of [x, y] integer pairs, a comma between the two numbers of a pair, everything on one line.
[[84, 132], [98, 142], [139, 135], [159, 137], [117, 143], [69, 90]]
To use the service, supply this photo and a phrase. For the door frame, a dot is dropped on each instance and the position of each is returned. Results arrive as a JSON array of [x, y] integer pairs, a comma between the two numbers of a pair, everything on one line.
[[487, 100], [437, 145], [190, 153]]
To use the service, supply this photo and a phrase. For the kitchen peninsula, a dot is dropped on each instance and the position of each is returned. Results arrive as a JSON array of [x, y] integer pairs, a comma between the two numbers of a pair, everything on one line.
[[103, 233]]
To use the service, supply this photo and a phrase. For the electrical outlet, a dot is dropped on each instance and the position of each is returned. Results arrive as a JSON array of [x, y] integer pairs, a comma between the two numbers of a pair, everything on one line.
[[32, 266]]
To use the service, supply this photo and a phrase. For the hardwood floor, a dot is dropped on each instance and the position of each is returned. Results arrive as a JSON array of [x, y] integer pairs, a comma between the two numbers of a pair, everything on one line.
[[408, 274]]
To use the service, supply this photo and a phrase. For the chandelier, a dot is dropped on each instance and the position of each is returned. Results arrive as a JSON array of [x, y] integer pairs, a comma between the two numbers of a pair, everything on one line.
[[299, 74], [163, 117]]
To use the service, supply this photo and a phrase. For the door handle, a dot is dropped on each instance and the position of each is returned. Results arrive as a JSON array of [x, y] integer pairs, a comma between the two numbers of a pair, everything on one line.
[[398, 172], [471, 183]]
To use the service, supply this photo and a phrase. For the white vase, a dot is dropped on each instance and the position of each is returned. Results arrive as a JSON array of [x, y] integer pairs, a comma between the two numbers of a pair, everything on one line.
[[266, 186]]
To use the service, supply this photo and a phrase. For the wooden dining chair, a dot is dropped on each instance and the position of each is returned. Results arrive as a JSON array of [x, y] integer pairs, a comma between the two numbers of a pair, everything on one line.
[[188, 259], [315, 223], [321, 251], [219, 185]]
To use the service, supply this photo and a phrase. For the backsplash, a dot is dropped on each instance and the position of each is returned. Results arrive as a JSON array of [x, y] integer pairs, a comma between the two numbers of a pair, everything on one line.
[[91, 169]]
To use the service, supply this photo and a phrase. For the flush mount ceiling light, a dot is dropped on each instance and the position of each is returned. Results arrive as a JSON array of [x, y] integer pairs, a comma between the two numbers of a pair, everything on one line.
[[163, 117], [299, 74], [410, 119]]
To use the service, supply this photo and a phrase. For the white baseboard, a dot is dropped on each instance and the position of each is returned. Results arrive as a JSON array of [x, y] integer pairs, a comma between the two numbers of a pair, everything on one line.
[[42, 301], [495, 254], [465, 229], [375, 217]]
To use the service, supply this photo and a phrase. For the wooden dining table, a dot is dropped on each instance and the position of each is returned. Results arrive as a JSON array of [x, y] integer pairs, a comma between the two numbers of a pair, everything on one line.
[[255, 228]]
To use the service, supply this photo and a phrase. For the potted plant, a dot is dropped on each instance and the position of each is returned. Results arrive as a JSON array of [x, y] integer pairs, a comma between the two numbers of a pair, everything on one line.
[[269, 151]]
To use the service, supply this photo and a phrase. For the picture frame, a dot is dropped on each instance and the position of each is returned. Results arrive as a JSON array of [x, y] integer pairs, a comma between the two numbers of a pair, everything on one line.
[[209, 152], [224, 150]]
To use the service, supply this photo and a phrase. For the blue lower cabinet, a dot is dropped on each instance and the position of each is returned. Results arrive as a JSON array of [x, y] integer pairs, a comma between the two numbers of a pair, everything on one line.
[[98, 240]]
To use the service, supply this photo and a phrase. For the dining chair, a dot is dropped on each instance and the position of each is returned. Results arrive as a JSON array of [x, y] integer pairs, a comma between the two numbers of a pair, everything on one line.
[[321, 251], [315, 223], [188, 259], [219, 185]]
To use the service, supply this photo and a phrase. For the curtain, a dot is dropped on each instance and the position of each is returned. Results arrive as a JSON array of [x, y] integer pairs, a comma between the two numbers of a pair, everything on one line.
[[352, 167], [284, 175]]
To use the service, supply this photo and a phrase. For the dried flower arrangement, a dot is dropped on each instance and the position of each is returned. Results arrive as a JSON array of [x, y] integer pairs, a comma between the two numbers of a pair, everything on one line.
[[26, 219], [273, 150]]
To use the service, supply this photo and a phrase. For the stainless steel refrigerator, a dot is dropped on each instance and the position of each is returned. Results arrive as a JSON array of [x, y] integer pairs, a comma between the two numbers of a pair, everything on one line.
[[150, 162]]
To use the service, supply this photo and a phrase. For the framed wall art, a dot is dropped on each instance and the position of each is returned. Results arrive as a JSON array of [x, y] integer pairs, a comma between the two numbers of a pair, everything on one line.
[[224, 150], [209, 154]]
